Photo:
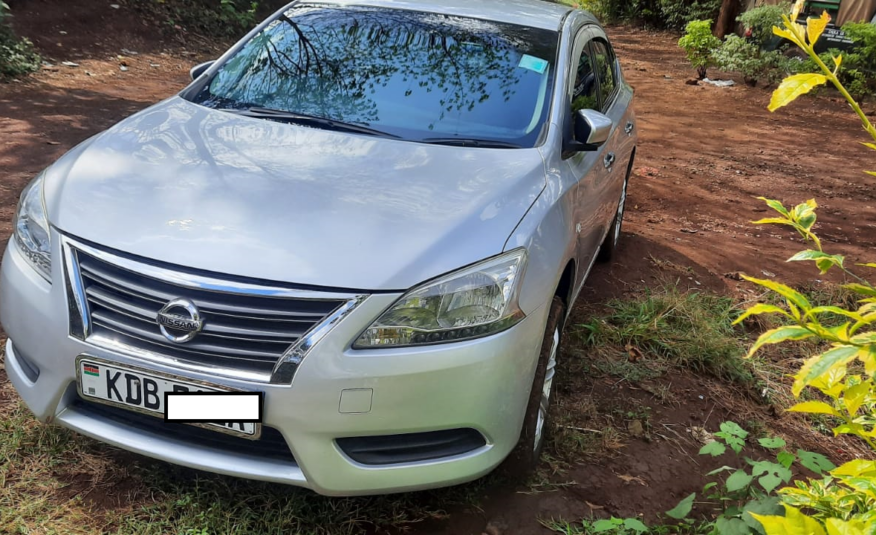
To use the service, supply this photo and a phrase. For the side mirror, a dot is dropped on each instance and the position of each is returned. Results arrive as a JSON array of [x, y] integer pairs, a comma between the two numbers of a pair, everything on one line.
[[198, 70], [591, 129]]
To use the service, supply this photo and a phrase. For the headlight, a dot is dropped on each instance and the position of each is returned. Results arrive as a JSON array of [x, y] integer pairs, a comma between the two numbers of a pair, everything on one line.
[[476, 301], [31, 228]]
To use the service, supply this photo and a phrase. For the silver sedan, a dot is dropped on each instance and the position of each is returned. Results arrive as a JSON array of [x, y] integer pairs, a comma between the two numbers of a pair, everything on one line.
[[376, 216]]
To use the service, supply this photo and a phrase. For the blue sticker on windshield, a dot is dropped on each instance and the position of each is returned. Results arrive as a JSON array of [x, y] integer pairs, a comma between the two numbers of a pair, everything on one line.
[[533, 63]]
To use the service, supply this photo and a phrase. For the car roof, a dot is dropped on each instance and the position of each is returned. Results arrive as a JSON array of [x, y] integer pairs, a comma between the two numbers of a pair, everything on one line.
[[533, 13]]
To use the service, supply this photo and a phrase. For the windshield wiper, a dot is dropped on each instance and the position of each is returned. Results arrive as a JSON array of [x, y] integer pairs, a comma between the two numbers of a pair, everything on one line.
[[310, 120], [471, 142]]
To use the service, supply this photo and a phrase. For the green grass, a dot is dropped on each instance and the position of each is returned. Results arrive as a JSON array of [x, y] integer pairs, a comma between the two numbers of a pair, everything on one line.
[[688, 330]]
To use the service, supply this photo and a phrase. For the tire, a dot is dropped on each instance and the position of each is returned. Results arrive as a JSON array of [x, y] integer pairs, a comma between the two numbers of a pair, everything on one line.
[[536, 422], [609, 246]]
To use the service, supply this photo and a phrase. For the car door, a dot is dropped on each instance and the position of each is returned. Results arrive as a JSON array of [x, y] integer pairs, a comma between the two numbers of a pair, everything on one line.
[[616, 151], [587, 167]]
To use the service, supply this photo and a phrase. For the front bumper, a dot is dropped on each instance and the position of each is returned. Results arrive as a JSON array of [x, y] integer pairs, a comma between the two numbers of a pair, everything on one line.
[[481, 384]]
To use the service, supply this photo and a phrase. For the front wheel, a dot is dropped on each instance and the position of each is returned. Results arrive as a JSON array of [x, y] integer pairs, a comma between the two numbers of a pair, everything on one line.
[[536, 422]]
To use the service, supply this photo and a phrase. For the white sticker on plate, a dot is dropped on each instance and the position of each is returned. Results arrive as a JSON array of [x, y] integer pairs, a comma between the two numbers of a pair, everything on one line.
[[533, 63]]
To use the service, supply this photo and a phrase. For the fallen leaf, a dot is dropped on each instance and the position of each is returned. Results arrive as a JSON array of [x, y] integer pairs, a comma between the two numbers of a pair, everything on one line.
[[634, 352], [629, 479], [594, 507]]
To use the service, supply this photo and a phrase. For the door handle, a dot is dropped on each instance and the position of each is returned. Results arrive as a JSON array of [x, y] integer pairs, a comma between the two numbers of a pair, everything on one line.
[[629, 128], [608, 160]]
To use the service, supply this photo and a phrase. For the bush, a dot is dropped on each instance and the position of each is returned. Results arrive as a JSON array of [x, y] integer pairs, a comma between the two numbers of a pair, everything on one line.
[[737, 54], [17, 56], [673, 14], [761, 21], [858, 70], [676, 14], [212, 18], [699, 44]]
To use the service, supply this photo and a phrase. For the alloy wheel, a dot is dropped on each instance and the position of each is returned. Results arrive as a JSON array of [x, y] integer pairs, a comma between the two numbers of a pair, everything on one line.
[[546, 389]]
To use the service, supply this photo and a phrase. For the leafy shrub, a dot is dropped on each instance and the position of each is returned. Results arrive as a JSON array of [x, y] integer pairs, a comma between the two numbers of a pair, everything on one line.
[[858, 70], [699, 44], [844, 373], [673, 14], [214, 18], [737, 54], [676, 14], [761, 20], [17, 56]]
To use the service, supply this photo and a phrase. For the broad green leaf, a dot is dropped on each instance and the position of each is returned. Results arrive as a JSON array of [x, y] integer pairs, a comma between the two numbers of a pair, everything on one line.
[[683, 508], [738, 480], [731, 526], [824, 261], [776, 205], [787, 292], [834, 310], [785, 458], [814, 407], [816, 462], [859, 289], [820, 364], [733, 428], [793, 523], [772, 442], [635, 525], [835, 526], [815, 27], [856, 468], [773, 474], [601, 526], [793, 86], [713, 448], [864, 338], [854, 397], [870, 146], [761, 308], [780, 334]]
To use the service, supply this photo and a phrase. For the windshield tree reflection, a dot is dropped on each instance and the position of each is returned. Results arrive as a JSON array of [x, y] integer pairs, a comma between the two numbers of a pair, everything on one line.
[[416, 75]]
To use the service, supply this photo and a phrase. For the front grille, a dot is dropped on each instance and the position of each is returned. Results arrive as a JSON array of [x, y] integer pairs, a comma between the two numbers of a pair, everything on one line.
[[248, 332], [271, 444]]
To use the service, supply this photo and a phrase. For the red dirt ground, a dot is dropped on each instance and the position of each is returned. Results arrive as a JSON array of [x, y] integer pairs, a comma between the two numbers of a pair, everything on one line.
[[704, 155]]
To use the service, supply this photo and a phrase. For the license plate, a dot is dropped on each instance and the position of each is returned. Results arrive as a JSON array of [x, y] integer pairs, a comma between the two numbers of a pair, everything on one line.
[[143, 391]]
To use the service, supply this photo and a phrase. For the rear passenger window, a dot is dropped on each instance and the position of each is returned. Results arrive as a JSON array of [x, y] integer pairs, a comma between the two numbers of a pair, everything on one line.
[[585, 95], [605, 67]]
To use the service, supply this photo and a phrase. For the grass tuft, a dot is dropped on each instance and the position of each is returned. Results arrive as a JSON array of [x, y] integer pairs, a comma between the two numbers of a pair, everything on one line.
[[690, 330]]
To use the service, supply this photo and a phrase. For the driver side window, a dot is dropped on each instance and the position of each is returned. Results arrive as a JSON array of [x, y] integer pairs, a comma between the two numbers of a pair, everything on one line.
[[585, 94]]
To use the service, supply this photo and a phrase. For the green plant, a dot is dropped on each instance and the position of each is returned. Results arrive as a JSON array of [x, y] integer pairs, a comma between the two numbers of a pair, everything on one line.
[[211, 18], [737, 54], [745, 492], [843, 502], [676, 14], [761, 20], [699, 44], [17, 56]]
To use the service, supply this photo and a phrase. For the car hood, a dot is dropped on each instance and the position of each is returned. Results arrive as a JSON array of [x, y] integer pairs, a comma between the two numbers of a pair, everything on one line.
[[206, 189]]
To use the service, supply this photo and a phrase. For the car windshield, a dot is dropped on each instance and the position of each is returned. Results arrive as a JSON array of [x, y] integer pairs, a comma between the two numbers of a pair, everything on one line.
[[418, 76]]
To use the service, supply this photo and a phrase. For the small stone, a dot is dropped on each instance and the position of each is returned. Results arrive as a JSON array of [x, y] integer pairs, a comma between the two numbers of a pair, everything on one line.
[[496, 527], [69, 64], [123, 68], [692, 81], [115, 6], [636, 428]]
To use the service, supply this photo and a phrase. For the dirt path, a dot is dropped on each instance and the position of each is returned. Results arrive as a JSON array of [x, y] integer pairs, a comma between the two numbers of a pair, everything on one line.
[[705, 153]]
